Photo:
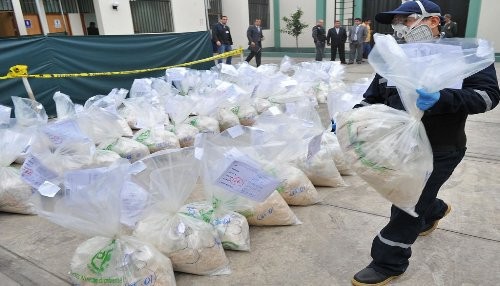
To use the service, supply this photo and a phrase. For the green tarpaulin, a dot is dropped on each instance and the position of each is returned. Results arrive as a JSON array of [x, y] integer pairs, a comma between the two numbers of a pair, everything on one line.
[[77, 54]]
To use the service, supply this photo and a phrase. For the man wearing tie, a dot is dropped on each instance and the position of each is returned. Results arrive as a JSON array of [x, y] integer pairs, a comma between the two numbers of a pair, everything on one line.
[[338, 37], [357, 35], [255, 37]]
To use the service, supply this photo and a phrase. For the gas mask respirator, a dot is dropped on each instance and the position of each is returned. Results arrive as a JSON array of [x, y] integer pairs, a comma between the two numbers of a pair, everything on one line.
[[414, 33]]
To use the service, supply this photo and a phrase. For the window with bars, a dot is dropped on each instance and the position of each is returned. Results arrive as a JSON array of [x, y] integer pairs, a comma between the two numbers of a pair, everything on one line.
[[54, 6], [214, 11], [6, 5], [152, 16], [259, 9]]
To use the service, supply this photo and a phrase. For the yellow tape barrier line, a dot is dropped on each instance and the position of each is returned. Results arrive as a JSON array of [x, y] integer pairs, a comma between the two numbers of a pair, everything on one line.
[[19, 71]]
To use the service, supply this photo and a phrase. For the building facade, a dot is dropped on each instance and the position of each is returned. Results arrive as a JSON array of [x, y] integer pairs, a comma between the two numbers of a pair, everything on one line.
[[121, 17]]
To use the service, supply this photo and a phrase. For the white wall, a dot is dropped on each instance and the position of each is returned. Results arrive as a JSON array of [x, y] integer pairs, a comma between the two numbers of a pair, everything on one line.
[[237, 14], [76, 24], [189, 15], [309, 17], [114, 22], [488, 22]]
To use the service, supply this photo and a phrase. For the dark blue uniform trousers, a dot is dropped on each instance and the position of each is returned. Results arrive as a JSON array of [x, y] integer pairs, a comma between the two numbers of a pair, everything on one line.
[[391, 248]]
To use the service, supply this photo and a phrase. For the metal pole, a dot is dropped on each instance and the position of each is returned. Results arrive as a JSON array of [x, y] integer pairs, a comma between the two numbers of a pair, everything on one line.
[[27, 86]]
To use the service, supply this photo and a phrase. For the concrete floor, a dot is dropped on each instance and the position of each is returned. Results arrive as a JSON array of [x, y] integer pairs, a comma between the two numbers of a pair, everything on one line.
[[334, 240]]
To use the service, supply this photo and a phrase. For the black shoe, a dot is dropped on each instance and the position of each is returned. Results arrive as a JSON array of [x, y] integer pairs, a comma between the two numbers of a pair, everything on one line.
[[344, 63], [350, 63], [369, 276], [359, 63], [433, 225]]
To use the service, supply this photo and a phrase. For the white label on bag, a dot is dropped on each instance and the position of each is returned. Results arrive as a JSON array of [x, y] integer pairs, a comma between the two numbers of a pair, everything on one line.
[[247, 181], [235, 131], [35, 173], [48, 189], [76, 181], [60, 131], [134, 201], [274, 110], [314, 146]]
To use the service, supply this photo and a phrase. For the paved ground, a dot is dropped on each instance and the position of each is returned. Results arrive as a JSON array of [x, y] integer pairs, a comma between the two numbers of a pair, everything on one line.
[[334, 240]]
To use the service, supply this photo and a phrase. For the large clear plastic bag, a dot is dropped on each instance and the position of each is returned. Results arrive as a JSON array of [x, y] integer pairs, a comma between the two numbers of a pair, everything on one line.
[[431, 66], [252, 147], [127, 148], [109, 256], [232, 227], [320, 168], [29, 112], [193, 245], [342, 97], [56, 148], [388, 148], [65, 107], [301, 128], [101, 125], [14, 192], [150, 119]]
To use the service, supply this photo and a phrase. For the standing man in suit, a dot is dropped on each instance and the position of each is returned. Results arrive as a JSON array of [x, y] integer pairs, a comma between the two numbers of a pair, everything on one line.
[[319, 37], [255, 37], [357, 36], [221, 36], [338, 36]]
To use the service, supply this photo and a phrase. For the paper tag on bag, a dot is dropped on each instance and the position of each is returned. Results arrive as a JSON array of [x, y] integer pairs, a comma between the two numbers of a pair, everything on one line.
[[35, 173], [76, 181], [134, 201], [248, 181], [60, 131]]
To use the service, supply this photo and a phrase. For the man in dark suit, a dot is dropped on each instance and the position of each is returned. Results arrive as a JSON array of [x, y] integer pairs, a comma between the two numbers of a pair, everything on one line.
[[338, 36], [255, 37], [450, 27]]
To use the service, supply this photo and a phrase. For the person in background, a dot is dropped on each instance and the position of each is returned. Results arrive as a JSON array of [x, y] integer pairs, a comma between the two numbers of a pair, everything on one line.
[[255, 37], [319, 37], [92, 29], [357, 36], [445, 113], [367, 45], [336, 37], [221, 36], [449, 27]]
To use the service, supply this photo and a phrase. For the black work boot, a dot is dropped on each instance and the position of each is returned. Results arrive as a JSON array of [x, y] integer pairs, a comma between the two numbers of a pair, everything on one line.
[[369, 276], [427, 229]]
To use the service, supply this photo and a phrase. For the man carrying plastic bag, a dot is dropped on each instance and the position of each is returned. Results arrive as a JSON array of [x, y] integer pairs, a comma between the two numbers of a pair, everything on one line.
[[445, 111]]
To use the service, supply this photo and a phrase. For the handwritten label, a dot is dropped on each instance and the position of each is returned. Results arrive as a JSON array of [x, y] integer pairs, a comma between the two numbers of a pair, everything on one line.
[[76, 181], [35, 173], [248, 181], [63, 130], [134, 201]]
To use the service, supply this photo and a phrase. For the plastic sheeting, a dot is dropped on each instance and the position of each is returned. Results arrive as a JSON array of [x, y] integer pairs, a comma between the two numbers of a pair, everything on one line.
[[62, 54]]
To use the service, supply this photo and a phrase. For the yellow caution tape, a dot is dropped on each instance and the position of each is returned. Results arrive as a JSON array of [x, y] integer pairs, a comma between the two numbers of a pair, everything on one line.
[[20, 71]]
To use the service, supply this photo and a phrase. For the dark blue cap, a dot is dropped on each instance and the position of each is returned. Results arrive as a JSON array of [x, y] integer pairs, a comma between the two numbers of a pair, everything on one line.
[[410, 7]]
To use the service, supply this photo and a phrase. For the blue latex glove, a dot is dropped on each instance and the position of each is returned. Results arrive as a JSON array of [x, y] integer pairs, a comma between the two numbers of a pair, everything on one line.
[[427, 100], [334, 126]]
